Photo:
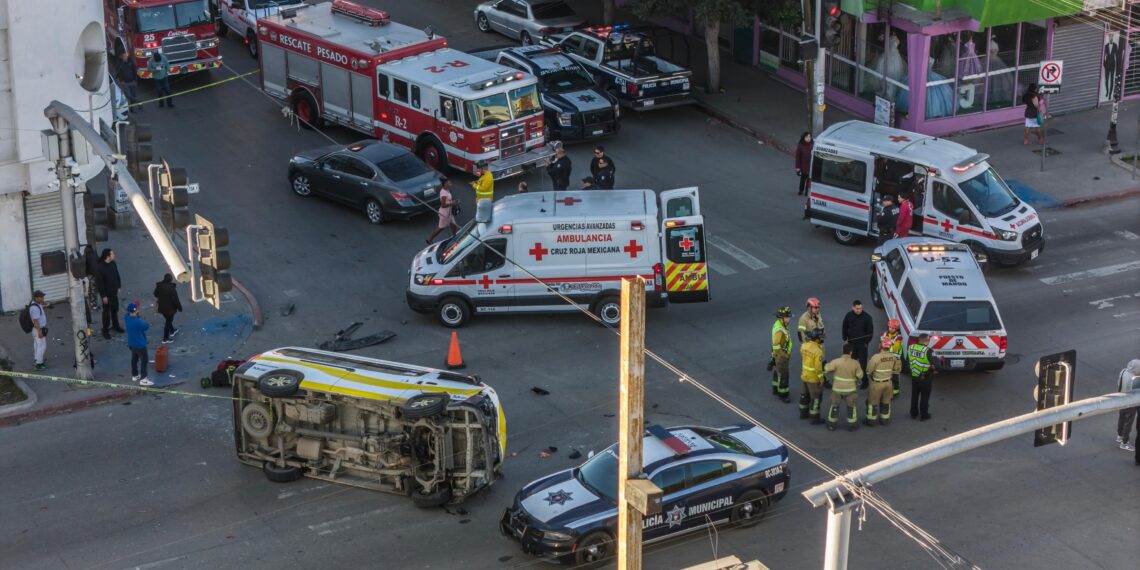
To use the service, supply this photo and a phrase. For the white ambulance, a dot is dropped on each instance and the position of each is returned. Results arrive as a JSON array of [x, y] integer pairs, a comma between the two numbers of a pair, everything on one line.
[[522, 251], [936, 286], [957, 195]]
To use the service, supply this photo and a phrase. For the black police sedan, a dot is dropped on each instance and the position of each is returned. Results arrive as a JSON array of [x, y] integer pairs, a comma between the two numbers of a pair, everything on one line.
[[383, 180], [708, 477]]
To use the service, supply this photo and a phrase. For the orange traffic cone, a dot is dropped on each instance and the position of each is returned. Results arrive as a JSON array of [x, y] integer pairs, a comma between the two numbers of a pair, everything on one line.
[[454, 359]]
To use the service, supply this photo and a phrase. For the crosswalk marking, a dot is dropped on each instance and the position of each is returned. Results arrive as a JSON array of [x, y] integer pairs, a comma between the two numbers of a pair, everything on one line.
[[736, 253], [1126, 234], [1097, 272], [722, 269]]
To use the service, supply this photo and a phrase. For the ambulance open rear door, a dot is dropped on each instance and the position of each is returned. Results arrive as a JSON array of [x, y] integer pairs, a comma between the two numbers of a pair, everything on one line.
[[683, 246]]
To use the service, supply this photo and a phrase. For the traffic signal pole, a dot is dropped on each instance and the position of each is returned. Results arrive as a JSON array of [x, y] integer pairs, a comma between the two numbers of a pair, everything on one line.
[[61, 114], [841, 492]]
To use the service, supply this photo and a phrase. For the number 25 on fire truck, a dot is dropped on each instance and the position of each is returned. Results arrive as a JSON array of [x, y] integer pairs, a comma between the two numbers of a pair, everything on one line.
[[346, 64]]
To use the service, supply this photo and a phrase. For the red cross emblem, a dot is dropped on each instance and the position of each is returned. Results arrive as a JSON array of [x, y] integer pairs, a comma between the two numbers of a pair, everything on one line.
[[633, 249], [946, 225], [568, 201], [686, 243], [486, 282], [899, 138], [538, 251]]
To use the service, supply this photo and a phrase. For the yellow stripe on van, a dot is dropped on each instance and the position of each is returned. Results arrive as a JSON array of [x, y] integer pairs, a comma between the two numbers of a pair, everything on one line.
[[372, 380], [309, 385]]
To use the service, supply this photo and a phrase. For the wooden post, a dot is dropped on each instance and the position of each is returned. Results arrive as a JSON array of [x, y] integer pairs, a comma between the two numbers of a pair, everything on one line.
[[631, 422]]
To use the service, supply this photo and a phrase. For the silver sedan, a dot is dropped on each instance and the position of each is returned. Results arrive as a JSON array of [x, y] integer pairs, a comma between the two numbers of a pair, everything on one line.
[[526, 20]]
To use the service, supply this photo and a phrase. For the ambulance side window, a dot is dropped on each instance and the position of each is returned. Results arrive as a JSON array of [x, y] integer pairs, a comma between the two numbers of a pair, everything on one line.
[[683, 244], [910, 299], [895, 265], [416, 96], [670, 480], [483, 258], [949, 202], [382, 85], [400, 90], [838, 172]]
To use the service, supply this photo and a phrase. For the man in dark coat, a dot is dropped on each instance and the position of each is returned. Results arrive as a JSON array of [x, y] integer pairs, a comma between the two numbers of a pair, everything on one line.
[[858, 329], [108, 282], [604, 177], [559, 170], [127, 74], [599, 155], [166, 297], [888, 219]]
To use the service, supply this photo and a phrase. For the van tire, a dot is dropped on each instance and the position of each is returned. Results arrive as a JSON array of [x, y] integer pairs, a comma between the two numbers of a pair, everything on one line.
[[876, 298], [608, 309], [845, 237], [437, 498], [251, 44], [280, 383], [453, 312], [257, 420], [277, 474], [425, 405]]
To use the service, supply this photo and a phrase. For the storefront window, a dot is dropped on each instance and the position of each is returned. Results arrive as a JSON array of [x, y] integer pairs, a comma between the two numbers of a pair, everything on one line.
[[1029, 54], [941, 75], [841, 73], [779, 48], [1003, 61], [971, 72], [884, 71], [972, 61]]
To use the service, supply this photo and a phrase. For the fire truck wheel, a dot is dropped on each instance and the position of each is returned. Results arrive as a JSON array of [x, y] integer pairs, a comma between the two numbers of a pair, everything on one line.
[[525, 38], [481, 21], [305, 107], [251, 44], [431, 152], [375, 212]]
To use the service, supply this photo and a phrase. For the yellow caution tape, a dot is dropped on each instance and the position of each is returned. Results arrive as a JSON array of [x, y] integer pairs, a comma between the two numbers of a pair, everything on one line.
[[98, 384], [199, 88]]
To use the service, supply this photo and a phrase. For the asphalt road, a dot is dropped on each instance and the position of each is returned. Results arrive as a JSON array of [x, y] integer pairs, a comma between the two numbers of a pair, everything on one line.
[[155, 484]]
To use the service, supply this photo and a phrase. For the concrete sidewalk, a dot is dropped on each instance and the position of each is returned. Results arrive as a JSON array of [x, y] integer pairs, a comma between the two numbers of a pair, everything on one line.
[[205, 337]]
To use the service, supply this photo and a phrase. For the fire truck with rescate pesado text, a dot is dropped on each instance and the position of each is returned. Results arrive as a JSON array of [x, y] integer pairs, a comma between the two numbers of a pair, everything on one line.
[[342, 63], [182, 30]]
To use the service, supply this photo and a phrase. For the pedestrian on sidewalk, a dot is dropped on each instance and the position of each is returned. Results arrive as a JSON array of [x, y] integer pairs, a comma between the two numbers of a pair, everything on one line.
[[136, 342], [559, 170], [604, 178], [127, 73], [446, 217], [888, 219], [858, 329], [906, 216], [157, 66], [484, 185], [599, 154], [1034, 114], [803, 161], [168, 304], [108, 282], [39, 329], [1126, 417]]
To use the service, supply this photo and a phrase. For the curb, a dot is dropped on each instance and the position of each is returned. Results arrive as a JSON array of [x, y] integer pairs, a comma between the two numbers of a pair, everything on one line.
[[255, 307], [18, 419], [29, 401], [765, 138], [1107, 197]]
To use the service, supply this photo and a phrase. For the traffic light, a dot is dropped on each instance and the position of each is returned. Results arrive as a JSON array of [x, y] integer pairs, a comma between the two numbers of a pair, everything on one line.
[[173, 200], [830, 27], [1056, 375], [138, 149], [95, 216], [212, 260]]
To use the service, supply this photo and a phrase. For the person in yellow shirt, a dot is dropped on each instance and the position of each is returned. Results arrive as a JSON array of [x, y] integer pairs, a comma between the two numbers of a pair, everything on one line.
[[484, 185], [811, 353]]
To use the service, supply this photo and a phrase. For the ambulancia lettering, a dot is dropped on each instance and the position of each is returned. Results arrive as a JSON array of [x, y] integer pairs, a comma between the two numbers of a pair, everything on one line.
[[584, 238]]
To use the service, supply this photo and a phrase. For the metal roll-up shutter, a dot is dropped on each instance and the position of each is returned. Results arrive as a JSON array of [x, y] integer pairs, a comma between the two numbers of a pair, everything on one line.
[[1079, 45], [43, 215]]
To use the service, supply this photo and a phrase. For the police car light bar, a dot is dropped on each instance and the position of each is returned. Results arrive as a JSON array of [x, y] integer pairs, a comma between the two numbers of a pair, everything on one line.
[[671, 441], [370, 16], [606, 30], [970, 162]]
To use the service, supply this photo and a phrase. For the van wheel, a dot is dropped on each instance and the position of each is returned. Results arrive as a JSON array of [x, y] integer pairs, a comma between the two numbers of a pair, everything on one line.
[[876, 297], [594, 547], [305, 108], [845, 237], [608, 309], [277, 474], [251, 44], [256, 420], [453, 312], [279, 383], [437, 498], [750, 509], [425, 405]]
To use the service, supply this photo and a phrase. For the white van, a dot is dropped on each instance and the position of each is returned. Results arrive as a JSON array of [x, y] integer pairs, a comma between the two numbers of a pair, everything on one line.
[[522, 249], [936, 286], [957, 195]]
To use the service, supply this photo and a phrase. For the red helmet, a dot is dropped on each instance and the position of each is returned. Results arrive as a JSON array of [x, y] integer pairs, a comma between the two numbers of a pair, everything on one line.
[[813, 302], [893, 324]]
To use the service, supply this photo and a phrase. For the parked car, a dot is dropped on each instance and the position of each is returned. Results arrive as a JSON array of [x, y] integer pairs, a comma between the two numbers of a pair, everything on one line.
[[383, 180], [526, 20]]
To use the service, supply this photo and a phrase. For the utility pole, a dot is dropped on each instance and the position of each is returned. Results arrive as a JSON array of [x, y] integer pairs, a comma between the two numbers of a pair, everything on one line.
[[810, 27], [63, 152], [631, 420], [820, 67]]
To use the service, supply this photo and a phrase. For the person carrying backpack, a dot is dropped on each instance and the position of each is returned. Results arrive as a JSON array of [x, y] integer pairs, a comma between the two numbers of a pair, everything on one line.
[[34, 321]]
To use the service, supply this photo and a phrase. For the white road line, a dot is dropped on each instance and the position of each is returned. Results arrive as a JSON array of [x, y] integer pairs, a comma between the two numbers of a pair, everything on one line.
[[1098, 272], [737, 253], [325, 527], [722, 269], [287, 494], [1127, 314], [1126, 234], [1108, 301]]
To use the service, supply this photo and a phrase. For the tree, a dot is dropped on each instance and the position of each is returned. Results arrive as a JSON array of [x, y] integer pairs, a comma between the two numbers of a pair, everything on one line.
[[709, 14]]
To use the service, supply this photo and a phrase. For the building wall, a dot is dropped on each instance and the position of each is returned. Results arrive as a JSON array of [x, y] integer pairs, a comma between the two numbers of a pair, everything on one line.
[[41, 55]]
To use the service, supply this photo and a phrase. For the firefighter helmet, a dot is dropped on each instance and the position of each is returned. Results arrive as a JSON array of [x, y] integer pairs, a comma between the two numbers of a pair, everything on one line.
[[784, 312], [893, 324], [813, 302]]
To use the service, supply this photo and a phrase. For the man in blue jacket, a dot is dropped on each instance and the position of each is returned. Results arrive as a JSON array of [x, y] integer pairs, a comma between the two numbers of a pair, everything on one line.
[[136, 341]]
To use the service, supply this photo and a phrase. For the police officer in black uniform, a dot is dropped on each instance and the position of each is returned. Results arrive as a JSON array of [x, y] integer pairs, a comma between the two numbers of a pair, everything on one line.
[[888, 217]]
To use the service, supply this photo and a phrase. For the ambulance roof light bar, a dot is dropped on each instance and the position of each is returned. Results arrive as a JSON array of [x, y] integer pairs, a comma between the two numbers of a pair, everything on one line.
[[970, 162], [370, 16]]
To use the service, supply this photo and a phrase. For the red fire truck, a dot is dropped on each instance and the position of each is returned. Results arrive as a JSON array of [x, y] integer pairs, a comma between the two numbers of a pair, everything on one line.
[[183, 30], [342, 63]]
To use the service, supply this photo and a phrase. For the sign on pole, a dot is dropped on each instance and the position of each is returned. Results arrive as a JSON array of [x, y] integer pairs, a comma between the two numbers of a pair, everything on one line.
[[1049, 76], [1056, 375]]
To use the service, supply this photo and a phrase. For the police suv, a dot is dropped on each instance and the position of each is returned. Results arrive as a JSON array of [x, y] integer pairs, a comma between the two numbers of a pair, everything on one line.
[[936, 286], [708, 476]]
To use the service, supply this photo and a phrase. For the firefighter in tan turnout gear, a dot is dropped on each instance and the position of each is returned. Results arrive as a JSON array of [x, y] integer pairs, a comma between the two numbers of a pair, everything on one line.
[[811, 354], [881, 368], [844, 388], [781, 354], [811, 319]]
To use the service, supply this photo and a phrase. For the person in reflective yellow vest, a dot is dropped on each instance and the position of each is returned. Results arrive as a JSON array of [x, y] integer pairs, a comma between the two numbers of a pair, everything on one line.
[[895, 337], [484, 185], [781, 353], [811, 354], [921, 381], [881, 368], [844, 388]]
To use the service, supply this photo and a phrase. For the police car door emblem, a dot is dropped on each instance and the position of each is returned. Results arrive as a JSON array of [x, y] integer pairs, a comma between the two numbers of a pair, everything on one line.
[[559, 497], [586, 98], [676, 516]]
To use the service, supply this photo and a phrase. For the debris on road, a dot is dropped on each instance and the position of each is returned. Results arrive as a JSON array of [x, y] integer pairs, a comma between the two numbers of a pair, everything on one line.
[[343, 341]]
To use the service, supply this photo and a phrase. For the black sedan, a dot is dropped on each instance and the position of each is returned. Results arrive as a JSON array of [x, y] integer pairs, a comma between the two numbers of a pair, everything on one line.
[[383, 180]]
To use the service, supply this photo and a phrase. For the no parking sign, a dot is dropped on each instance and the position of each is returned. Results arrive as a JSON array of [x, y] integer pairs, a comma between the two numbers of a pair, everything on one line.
[[1049, 78]]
